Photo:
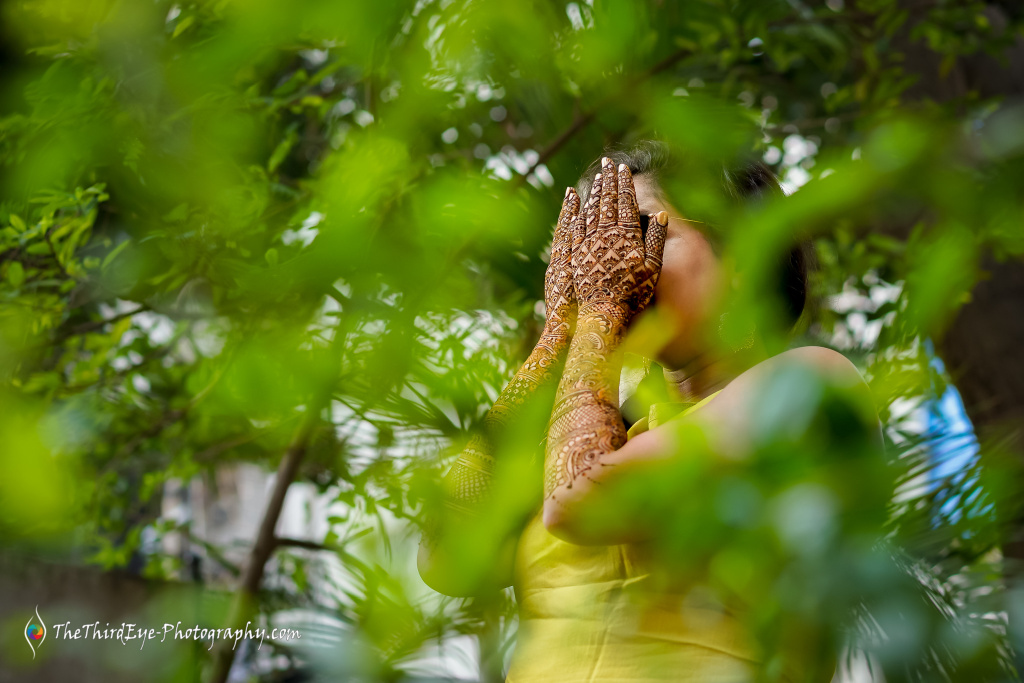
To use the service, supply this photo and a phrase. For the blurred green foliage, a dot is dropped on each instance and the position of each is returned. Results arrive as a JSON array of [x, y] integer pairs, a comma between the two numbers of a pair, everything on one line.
[[227, 223]]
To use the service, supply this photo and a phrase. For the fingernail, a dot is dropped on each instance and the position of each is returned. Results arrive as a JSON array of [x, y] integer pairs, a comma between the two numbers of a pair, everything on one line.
[[605, 161], [662, 218], [622, 167], [597, 177], [567, 191]]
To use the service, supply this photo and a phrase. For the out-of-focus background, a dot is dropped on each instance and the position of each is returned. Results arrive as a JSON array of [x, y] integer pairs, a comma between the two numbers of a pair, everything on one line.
[[264, 265]]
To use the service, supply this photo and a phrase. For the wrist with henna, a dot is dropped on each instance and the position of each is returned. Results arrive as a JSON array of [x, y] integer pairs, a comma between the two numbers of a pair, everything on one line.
[[540, 368], [586, 418]]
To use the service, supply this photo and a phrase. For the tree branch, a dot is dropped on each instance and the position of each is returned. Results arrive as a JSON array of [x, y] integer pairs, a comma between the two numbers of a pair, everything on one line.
[[97, 324], [245, 598], [583, 120], [303, 544]]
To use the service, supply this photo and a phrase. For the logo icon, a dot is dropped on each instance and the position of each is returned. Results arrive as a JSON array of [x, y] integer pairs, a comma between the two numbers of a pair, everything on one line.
[[35, 633]]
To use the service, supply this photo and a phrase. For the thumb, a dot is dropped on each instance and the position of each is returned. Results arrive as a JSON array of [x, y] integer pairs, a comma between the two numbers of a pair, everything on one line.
[[654, 241]]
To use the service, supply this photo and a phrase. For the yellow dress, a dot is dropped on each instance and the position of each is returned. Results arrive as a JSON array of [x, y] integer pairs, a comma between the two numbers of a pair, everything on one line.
[[586, 614]]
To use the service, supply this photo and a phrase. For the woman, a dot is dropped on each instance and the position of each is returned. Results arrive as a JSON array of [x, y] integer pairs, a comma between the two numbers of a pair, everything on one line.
[[592, 607]]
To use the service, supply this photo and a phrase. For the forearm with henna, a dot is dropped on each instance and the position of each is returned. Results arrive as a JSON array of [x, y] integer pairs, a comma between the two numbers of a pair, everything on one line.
[[586, 421], [469, 480]]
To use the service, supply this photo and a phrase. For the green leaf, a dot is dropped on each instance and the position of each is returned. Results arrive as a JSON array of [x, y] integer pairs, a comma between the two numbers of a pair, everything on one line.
[[282, 149], [177, 214], [114, 252], [183, 26], [292, 84], [15, 273]]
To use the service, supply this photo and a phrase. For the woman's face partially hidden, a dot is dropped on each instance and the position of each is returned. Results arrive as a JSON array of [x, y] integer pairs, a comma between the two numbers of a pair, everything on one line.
[[691, 281]]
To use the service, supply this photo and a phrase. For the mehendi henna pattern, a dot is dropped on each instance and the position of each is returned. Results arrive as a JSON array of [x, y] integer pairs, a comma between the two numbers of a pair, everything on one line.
[[467, 484], [615, 270]]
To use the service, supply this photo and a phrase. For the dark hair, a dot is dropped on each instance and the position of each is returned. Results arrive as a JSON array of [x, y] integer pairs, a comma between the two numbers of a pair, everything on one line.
[[748, 181]]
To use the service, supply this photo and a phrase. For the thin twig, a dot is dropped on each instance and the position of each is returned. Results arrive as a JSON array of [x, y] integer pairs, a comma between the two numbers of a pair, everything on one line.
[[583, 120], [300, 543], [805, 124], [97, 324], [211, 550]]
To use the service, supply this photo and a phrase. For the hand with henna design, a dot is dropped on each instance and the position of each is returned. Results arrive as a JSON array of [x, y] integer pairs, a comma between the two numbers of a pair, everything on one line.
[[615, 263], [467, 485], [560, 318], [615, 272], [559, 293]]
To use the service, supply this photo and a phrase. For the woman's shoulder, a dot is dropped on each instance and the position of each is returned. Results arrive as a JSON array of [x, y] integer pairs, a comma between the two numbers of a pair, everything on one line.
[[822, 359], [840, 372], [760, 380]]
